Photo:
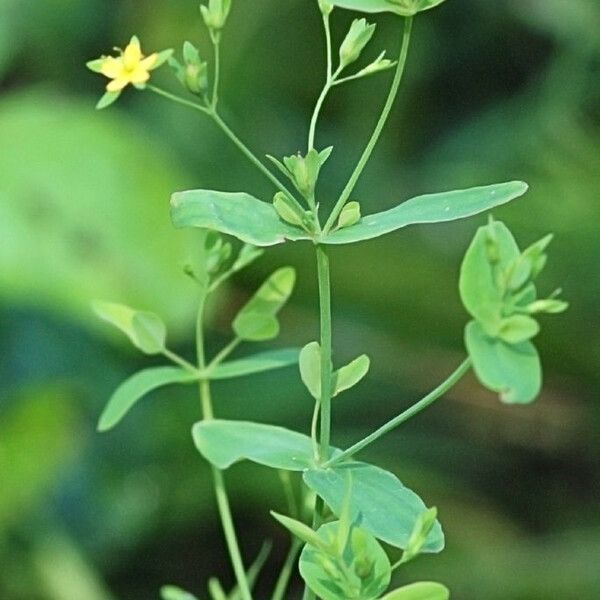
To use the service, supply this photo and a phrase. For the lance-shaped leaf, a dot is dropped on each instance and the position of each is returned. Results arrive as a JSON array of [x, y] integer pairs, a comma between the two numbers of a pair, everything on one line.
[[431, 208], [512, 370], [257, 320], [424, 590], [136, 387], [238, 214], [258, 363], [380, 503], [145, 329], [404, 8], [224, 443]]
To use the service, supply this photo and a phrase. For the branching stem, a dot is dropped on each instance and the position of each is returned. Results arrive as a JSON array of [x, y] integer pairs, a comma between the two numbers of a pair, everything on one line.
[[409, 413], [366, 155]]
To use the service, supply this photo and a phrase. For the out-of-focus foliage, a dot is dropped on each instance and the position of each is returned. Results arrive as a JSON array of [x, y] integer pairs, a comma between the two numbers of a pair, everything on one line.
[[495, 92]]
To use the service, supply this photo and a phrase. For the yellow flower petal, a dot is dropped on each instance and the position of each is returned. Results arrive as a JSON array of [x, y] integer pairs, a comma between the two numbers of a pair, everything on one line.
[[140, 75], [132, 55], [116, 85], [112, 67], [149, 62]]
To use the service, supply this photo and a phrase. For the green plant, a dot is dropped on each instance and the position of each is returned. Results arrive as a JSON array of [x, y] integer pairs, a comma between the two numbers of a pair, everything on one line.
[[353, 506]]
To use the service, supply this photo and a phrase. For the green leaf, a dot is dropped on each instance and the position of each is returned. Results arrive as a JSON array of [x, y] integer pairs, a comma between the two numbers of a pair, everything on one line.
[[491, 252], [136, 387], [512, 370], [380, 503], [224, 443], [303, 532], [310, 368], [172, 592], [258, 363], [431, 208], [256, 321], [362, 571], [145, 329], [241, 215], [107, 99], [256, 327], [424, 590], [518, 328], [162, 57], [404, 8], [349, 375], [95, 65]]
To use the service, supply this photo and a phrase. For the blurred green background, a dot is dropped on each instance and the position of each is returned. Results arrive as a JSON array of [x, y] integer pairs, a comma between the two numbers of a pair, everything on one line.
[[495, 91]]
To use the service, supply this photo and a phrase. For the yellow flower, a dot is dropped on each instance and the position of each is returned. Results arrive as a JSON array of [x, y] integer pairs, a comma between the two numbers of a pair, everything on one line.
[[131, 67]]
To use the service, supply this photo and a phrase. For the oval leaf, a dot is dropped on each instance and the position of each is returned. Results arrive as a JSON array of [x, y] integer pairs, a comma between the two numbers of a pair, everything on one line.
[[362, 571], [256, 320], [380, 503], [224, 443], [424, 590], [136, 387], [431, 208], [349, 375], [479, 290], [145, 329], [258, 363], [310, 368], [512, 370], [239, 214]]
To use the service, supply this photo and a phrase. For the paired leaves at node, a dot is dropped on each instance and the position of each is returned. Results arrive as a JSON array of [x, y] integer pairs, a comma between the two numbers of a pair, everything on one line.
[[257, 320], [256, 222], [498, 290], [342, 379]]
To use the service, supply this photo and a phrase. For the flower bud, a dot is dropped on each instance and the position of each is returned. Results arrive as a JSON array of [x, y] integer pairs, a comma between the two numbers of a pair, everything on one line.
[[356, 39], [215, 14], [325, 7]]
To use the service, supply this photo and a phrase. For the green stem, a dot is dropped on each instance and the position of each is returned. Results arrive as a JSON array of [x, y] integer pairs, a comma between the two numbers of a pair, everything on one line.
[[326, 350], [216, 40], [212, 113], [178, 100], [364, 159], [329, 83], [286, 571], [178, 360], [415, 409], [252, 158], [218, 480], [223, 354]]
